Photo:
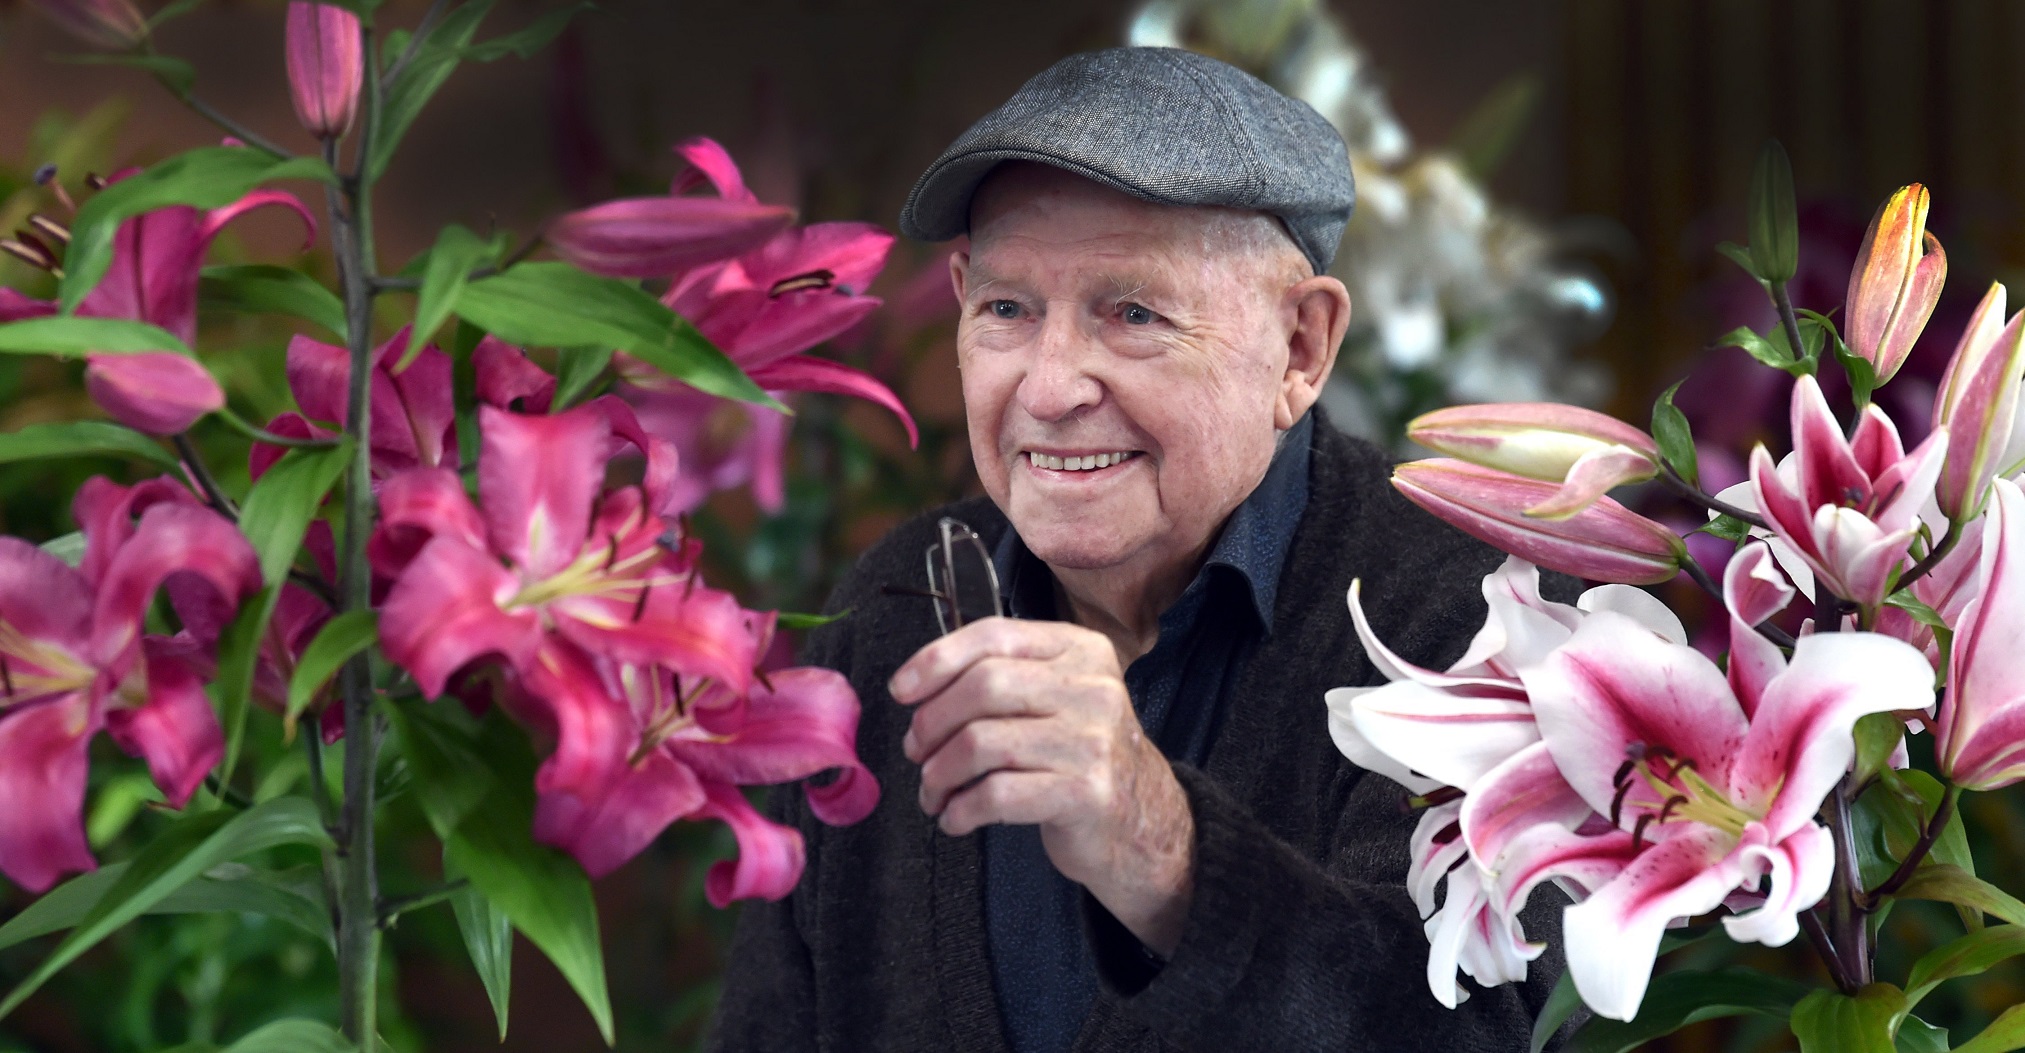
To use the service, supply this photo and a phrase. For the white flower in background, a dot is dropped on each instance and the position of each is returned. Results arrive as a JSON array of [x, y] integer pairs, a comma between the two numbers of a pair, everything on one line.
[[1457, 299]]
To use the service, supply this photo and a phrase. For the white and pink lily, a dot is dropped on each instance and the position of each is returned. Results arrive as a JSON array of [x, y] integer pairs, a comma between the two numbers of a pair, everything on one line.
[[1709, 783], [1847, 508], [1440, 733], [1981, 722]]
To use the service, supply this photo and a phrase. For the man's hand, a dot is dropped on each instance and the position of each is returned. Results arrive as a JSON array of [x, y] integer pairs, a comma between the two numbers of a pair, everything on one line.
[[1029, 722]]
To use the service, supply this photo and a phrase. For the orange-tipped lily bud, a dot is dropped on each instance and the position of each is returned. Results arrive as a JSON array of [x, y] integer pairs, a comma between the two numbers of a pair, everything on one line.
[[326, 66], [1896, 282], [1587, 452], [1977, 405], [112, 24]]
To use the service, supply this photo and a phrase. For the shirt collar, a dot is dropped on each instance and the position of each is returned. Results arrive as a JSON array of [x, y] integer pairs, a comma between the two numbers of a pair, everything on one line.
[[1251, 550]]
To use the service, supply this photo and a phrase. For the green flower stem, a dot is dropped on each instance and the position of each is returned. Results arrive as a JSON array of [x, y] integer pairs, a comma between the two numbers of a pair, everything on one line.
[[358, 949], [193, 464], [1788, 320], [392, 909]]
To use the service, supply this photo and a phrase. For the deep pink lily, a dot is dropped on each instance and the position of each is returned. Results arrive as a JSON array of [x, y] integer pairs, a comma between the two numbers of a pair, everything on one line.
[[1587, 452], [699, 741], [414, 418], [543, 561], [157, 258], [724, 445], [1977, 404], [1895, 283], [326, 66], [1981, 723], [1603, 542], [1709, 784], [763, 308], [1848, 508], [74, 660]]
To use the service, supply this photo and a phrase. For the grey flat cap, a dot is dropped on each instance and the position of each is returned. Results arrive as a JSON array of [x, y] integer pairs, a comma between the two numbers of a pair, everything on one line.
[[1161, 124]]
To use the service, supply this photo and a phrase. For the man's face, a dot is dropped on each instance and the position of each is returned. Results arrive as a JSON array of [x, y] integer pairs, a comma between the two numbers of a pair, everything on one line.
[[1100, 328]]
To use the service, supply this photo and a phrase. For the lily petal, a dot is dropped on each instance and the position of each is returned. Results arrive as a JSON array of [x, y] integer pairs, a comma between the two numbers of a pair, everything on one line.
[[1613, 936], [444, 613], [172, 538], [605, 832], [1799, 868], [770, 855], [42, 773], [157, 392], [803, 373], [538, 477], [175, 729], [804, 724]]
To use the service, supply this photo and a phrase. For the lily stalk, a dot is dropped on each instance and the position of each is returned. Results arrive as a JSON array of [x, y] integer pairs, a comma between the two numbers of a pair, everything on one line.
[[358, 948]]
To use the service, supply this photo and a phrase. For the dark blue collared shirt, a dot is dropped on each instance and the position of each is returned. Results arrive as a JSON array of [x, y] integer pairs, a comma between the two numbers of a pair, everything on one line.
[[1040, 960]]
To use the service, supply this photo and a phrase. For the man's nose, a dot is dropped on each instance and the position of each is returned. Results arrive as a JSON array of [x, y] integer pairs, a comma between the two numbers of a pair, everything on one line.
[[1058, 380]]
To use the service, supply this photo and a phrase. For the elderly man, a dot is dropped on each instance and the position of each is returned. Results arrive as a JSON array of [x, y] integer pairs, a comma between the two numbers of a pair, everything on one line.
[[1114, 819]]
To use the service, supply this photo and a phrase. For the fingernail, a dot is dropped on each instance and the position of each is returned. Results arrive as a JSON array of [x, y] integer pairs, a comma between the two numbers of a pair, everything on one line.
[[907, 744], [903, 682]]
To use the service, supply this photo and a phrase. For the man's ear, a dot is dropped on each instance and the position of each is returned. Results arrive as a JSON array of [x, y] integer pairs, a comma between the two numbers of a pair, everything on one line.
[[1320, 308], [959, 270]]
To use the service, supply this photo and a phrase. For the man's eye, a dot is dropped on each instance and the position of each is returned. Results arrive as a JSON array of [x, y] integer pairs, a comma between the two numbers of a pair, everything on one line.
[[1135, 314], [1005, 308]]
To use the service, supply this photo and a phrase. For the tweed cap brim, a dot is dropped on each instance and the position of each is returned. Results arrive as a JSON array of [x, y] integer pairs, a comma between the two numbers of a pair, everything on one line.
[[1160, 124]]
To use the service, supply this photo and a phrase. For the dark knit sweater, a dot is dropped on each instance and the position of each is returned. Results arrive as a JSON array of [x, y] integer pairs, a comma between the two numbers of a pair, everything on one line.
[[1300, 934]]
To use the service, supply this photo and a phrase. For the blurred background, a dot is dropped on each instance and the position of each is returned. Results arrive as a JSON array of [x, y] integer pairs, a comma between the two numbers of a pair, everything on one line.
[[1543, 184]]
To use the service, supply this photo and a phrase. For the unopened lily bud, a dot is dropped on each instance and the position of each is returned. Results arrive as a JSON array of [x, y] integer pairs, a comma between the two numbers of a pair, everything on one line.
[[1587, 452], [157, 392], [647, 237], [326, 66], [1977, 403], [1603, 542], [1895, 283], [112, 24]]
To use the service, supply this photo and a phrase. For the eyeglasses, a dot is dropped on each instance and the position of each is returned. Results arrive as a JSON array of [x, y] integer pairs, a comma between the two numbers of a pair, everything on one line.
[[961, 579]]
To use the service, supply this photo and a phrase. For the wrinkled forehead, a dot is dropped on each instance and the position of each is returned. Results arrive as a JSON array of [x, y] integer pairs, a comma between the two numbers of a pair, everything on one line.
[[1022, 197]]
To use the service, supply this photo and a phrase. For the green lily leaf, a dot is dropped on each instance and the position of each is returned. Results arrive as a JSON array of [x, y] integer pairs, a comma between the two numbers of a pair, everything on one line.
[[488, 938], [2007, 1032], [1877, 735], [264, 289], [1678, 999], [1951, 884], [581, 369], [551, 304], [1675, 438], [207, 177], [274, 517], [524, 43], [1966, 955], [293, 1036], [342, 637], [450, 263], [1918, 1036], [75, 337], [1832, 1022], [795, 620], [194, 845], [71, 438], [476, 789]]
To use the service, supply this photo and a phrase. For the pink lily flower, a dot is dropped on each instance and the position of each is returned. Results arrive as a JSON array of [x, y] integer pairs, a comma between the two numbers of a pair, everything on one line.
[[74, 661], [414, 419], [1587, 452], [547, 575], [1603, 542], [1708, 783], [1977, 404], [115, 25], [1896, 282], [799, 288], [326, 66], [156, 262], [1980, 741], [1848, 508], [699, 741]]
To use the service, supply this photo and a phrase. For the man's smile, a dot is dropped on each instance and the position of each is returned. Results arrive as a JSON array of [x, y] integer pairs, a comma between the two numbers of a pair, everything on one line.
[[1058, 463]]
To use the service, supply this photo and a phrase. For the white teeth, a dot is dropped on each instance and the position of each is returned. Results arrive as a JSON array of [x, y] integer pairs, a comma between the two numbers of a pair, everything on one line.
[[1080, 464]]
